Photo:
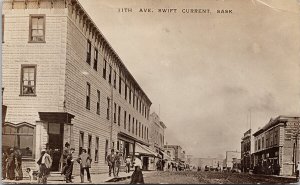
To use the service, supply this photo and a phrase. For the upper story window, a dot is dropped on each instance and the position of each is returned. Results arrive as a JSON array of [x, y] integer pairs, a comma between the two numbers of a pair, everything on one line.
[[119, 115], [37, 28], [28, 80], [125, 114], [104, 69], [88, 95], [139, 129], [133, 99], [109, 75], [125, 91], [136, 127], [81, 142], [130, 96], [107, 110], [88, 52], [98, 102], [129, 122], [115, 79], [89, 144], [115, 112], [95, 59], [120, 85], [133, 125]]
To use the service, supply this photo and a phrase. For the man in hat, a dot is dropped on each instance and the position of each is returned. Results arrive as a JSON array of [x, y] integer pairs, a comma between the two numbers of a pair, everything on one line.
[[65, 154], [117, 163], [111, 162]]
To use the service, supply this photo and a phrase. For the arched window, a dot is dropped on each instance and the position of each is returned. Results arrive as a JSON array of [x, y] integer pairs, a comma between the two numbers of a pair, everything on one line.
[[20, 136]]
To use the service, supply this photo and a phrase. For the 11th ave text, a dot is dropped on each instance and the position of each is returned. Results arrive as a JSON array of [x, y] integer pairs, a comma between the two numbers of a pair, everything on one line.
[[175, 10]]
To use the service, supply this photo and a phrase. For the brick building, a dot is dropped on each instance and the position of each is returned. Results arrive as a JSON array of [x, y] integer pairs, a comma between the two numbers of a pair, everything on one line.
[[64, 82], [276, 148], [247, 148]]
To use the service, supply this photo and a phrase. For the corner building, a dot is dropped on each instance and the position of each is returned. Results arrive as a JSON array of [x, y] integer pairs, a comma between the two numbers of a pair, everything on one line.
[[63, 82]]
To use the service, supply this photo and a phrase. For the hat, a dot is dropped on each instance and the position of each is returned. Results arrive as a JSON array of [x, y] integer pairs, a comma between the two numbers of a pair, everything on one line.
[[43, 150], [117, 151]]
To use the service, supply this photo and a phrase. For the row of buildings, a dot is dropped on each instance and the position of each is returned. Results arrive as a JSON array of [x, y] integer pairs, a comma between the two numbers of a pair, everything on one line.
[[63, 82], [272, 149]]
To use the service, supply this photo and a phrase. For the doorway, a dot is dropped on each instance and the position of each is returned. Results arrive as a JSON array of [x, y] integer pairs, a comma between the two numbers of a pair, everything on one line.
[[55, 140]]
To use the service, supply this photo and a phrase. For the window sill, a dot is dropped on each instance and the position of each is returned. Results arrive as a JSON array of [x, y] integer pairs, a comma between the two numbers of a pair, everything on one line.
[[96, 162], [28, 159], [33, 95], [36, 41]]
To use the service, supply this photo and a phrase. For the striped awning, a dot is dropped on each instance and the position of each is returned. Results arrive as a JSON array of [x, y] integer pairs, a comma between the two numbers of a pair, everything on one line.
[[144, 150]]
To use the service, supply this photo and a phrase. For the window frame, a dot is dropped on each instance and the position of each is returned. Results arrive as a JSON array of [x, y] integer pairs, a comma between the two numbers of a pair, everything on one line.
[[81, 137], [98, 102], [89, 52], [96, 53], [125, 118], [22, 75], [119, 115], [30, 27], [104, 69], [108, 109], [88, 96], [96, 150]]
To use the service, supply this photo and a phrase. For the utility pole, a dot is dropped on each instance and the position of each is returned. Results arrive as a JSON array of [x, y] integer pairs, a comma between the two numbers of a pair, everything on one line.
[[112, 119]]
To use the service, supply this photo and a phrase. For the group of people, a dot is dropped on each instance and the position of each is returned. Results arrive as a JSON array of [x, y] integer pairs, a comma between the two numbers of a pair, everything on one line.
[[114, 162], [12, 164], [160, 165]]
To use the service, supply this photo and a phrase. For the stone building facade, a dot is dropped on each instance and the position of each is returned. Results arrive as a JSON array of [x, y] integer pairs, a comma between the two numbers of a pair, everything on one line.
[[276, 148], [63, 83]]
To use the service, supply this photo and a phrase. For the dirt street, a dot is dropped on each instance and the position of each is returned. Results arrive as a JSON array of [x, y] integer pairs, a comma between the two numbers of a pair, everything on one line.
[[191, 177]]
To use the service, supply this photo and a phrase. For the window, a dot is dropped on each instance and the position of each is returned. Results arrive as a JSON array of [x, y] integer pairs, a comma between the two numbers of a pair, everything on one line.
[[28, 80], [107, 111], [125, 114], [106, 150], [119, 114], [125, 91], [256, 145], [37, 28], [140, 106], [115, 113], [133, 125], [21, 137], [81, 141], [104, 69], [88, 95], [95, 59], [120, 85], [262, 143], [136, 127], [133, 99], [89, 145], [115, 79], [2, 28], [142, 131], [118, 145], [129, 123], [139, 129], [98, 102], [97, 149], [130, 96], [137, 104], [275, 137], [89, 50], [109, 75], [259, 144]]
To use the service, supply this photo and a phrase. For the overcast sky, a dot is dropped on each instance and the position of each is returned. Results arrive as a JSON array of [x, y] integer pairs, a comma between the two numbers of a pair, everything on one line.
[[206, 71]]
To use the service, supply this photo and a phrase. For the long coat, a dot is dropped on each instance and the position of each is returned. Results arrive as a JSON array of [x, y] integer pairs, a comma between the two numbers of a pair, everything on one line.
[[84, 160]]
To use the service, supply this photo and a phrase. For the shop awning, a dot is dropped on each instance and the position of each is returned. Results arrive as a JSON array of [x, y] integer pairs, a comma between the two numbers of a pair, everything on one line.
[[144, 150], [56, 117]]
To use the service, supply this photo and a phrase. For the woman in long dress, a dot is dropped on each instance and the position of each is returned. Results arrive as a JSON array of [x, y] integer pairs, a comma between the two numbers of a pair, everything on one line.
[[137, 175]]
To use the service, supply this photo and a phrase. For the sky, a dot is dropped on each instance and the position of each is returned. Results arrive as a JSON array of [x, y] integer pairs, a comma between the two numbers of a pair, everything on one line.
[[205, 72]]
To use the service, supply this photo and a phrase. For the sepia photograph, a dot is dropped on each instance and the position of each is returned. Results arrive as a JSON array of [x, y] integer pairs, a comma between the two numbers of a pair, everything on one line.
[[150, 91]]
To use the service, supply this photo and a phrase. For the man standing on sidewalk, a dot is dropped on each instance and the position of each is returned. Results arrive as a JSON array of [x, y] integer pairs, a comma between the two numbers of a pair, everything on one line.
[[117, 163], [111, 162], [297, 171], [128, 161]]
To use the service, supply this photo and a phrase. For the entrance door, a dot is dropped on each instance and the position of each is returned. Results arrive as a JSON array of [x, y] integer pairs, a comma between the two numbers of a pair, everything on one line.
[[55, 133], [145, 163]]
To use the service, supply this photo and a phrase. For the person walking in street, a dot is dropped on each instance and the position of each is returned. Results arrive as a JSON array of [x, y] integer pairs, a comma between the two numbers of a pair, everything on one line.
[[117, 163], [18, 168], [85, 164], [128, 161], [11, 165], [137, 175], [65, 154], [4, 163], [111, 162], [45, 163]]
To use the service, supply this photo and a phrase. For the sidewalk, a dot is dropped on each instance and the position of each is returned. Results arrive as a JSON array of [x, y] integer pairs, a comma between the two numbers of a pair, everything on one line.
[[96, 179]]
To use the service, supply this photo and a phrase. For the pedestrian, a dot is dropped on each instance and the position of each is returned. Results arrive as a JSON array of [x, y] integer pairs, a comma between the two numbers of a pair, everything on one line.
[[4, 163], [297, 171], [111, 162], [10, 166], [85, 164], [45, 163], [158, 165], [128, 162], [65, 154], [68, 168], [117, 163], [169, 166], [137, 175], [18, 165], [163, 165]]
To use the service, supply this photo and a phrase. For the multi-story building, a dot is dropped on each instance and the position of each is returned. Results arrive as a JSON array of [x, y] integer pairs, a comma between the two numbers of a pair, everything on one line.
[[63, 83], [175, 151], [247, 148], [157, 134], [231, 158], [276, 149]]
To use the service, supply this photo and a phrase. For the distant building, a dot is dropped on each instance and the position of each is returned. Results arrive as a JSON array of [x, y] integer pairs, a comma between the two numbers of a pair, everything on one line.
[[276, 149], [210, 162], [231, 158], [247, 148], [175, 152]]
